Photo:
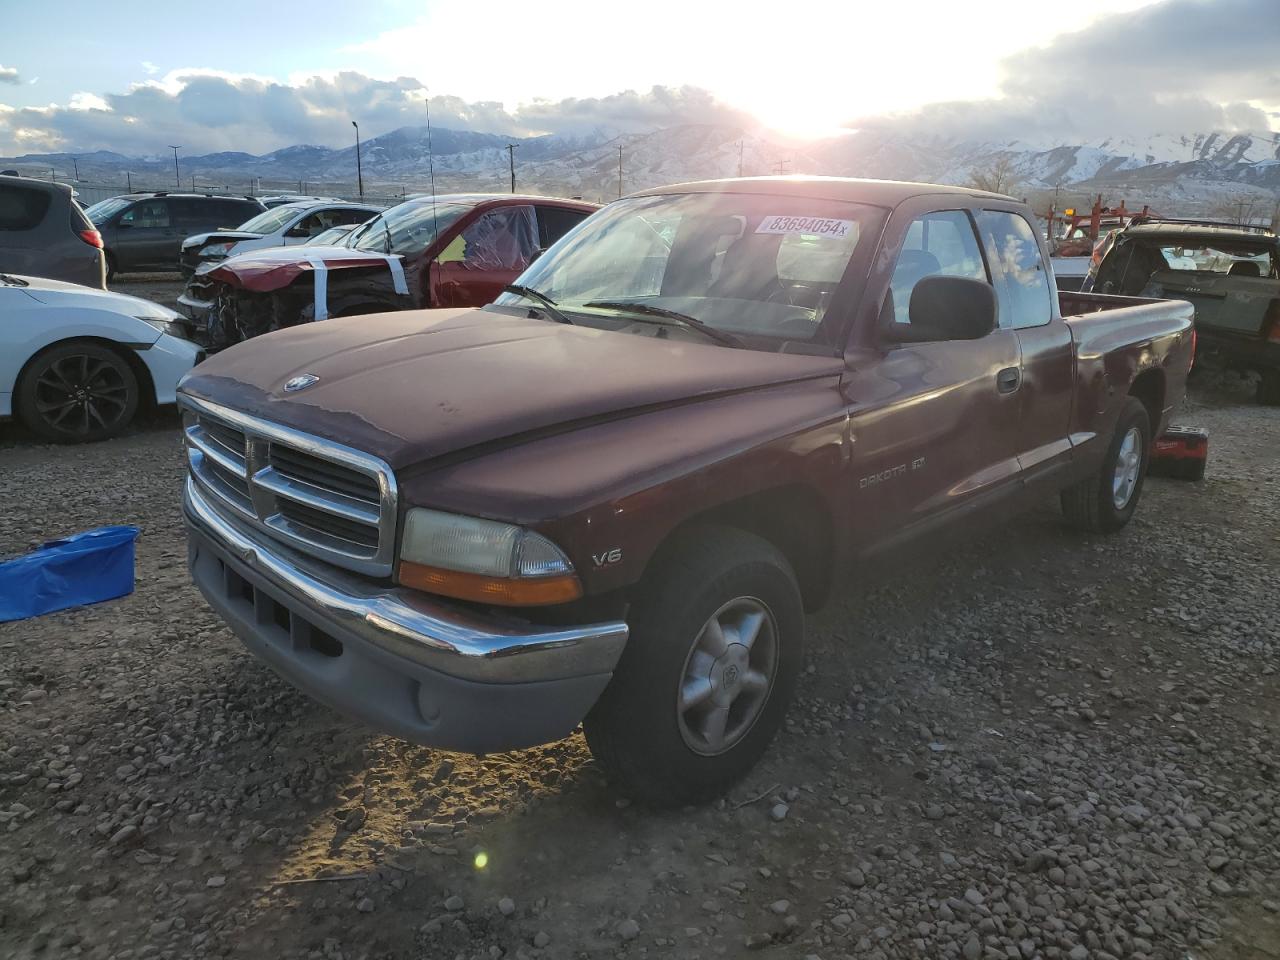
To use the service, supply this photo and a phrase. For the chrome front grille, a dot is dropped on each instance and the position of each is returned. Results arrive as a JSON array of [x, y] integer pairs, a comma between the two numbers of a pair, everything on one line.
[[315, 495]]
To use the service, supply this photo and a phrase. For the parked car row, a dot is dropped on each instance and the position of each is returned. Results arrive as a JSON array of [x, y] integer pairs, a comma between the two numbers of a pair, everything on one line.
[[453, 250]]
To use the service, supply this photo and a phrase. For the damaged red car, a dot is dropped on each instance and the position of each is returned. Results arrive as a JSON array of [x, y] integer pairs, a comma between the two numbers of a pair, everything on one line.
[[455, 250]]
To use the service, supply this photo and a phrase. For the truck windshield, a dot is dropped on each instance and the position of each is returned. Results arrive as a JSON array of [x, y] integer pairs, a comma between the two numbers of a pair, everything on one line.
[[406, 228], [750, 265]]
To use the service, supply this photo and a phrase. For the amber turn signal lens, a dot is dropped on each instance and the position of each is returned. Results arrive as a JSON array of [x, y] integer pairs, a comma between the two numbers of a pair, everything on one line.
[[525, 592]]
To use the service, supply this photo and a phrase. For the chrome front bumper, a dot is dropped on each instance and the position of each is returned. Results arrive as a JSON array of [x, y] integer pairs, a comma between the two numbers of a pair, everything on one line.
[[403, 662]]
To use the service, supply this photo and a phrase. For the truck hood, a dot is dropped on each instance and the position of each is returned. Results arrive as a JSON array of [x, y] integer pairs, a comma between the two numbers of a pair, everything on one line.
[[274, 268], [416, 385]]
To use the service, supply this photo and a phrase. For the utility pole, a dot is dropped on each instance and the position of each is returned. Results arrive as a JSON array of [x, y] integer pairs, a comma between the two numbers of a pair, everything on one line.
[[359, 169], [128, 179], [511, 158], [177, 180], [780, 168], [619, 171], [740, 147], [76, 167]]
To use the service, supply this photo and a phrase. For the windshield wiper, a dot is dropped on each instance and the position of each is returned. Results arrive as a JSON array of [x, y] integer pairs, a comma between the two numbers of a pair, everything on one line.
[[547, 303], [693, 323]]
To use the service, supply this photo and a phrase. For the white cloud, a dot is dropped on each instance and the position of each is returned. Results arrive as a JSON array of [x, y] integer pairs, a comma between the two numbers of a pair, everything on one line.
[[1189, 74], [209, 111], [150, 68], [9, 75], [87, 101]]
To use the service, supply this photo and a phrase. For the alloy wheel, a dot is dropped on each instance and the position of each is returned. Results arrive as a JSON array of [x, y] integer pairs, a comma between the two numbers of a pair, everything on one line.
[[727, 676]]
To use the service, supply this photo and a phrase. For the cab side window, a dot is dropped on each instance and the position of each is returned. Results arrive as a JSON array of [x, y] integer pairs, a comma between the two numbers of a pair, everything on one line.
[[1021, 281], [937, 244], [147, 213], [555, 222], [505, 239]]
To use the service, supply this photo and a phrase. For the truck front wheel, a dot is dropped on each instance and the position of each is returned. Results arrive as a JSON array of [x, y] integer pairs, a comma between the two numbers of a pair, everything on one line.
[[702, 687], [1104, 502]]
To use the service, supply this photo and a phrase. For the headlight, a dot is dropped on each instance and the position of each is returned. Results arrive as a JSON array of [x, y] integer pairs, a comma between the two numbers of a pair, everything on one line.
[[165, 325], [216, 249], [483, 560]]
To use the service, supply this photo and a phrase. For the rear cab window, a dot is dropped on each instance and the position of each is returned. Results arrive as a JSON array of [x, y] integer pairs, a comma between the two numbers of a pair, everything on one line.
[[22, 208]]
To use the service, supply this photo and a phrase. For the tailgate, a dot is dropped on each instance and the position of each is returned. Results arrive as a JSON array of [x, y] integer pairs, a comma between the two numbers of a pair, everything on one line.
[[1230, 304]]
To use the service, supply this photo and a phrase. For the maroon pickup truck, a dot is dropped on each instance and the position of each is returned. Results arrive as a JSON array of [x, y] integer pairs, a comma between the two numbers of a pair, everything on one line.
[[611, 496]]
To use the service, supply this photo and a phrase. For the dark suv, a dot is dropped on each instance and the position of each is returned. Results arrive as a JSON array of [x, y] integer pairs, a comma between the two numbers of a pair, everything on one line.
[[146, 230], [44, 233]]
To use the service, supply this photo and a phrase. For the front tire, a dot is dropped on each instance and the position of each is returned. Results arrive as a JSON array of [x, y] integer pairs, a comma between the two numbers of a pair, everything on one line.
[[77, 393], [702, 687], [1105, 501]]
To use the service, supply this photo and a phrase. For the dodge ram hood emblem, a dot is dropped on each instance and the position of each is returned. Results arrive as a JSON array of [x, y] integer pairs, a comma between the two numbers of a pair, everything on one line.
[[300, 382]]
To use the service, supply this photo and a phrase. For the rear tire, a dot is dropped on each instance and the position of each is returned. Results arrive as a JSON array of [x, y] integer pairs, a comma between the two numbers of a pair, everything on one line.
[[77, 392], [1104, 502], [716, 645]]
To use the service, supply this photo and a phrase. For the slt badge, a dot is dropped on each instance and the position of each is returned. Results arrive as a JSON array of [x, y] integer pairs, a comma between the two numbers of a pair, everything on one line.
[[300, 382]]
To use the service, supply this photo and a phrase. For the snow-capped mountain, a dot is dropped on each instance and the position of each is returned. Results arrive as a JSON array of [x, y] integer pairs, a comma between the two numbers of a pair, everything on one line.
[[1189, 167]]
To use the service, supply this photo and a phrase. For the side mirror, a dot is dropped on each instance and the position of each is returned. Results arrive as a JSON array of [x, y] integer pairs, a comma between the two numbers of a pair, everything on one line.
[[298, 231], [123, 224], [947, 308]]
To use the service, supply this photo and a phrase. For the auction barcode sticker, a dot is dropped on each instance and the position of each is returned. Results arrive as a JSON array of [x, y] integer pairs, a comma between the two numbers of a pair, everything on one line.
[[809, 226]]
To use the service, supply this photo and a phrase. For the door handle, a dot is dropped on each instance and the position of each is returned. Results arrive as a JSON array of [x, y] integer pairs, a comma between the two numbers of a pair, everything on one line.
[[1008, 379]]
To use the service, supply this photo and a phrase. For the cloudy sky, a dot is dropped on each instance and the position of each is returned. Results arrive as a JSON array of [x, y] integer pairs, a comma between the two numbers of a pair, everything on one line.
[[254, 76]]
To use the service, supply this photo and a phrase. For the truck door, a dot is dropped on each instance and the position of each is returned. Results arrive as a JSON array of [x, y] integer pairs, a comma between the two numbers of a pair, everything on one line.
[[1027, 305], [486, 256], [933, 424]]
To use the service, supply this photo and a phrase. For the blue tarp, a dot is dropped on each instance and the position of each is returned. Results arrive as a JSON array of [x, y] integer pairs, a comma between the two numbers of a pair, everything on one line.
[[85, 568]]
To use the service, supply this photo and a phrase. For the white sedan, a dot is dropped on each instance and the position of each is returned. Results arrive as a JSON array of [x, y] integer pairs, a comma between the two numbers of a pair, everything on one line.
[[282, 226], [76, 363]]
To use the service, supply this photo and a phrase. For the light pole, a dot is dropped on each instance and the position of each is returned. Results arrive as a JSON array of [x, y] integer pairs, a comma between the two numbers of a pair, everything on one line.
[[619, 171], [511, 157], [76, 167], [359, 169], [177, 180]]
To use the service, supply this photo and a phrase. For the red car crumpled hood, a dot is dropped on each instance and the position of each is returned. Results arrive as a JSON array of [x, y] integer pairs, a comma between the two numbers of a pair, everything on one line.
[[276, 267], [417, 384]]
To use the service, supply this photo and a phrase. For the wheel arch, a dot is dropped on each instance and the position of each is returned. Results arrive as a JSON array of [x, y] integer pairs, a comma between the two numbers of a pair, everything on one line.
[[146, 385], [792, 517], [1149, 388]]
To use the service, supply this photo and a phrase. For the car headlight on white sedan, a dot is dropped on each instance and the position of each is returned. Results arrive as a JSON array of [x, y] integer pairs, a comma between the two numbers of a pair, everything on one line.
[[217, 249], [171, 325], [483, 560]]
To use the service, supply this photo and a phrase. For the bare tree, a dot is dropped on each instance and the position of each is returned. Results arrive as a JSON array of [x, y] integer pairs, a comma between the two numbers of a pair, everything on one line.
[[996, 177]]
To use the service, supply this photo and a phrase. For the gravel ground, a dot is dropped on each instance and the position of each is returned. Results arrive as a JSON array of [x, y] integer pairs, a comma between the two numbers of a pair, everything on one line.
[[163, 288], [1035, 745]]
